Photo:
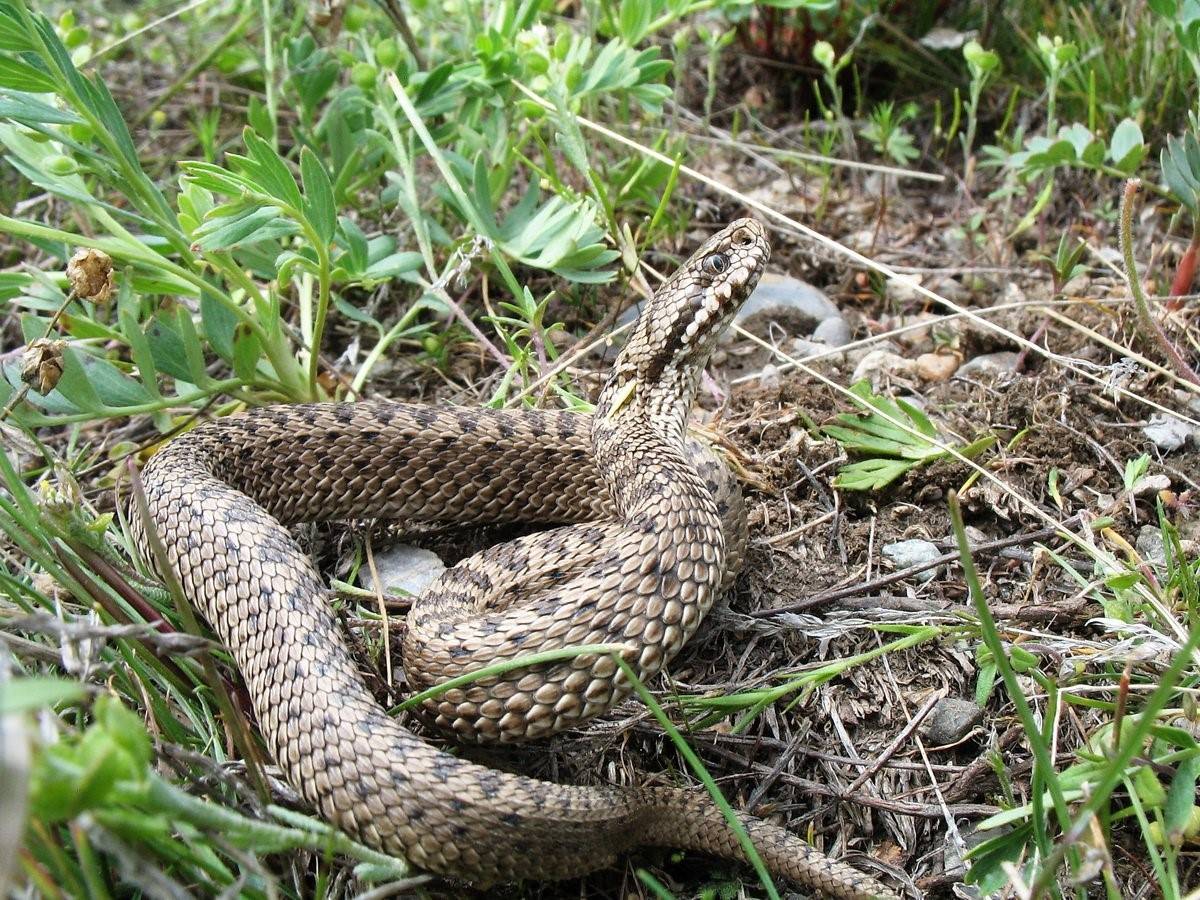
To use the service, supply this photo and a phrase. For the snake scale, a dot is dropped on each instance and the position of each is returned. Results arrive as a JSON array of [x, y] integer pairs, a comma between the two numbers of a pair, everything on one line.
[[641, 551]]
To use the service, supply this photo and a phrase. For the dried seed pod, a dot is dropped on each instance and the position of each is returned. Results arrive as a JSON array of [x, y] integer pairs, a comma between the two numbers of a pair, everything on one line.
[[91, 275], [42, 364]]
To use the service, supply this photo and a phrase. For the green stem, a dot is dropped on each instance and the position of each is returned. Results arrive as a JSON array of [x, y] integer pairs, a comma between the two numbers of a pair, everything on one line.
[[698, 768], [324, 279], [261, 837], [1043, 762]]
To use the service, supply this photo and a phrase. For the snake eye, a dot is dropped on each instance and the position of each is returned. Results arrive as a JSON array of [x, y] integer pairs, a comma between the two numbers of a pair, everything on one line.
[[716, 263]]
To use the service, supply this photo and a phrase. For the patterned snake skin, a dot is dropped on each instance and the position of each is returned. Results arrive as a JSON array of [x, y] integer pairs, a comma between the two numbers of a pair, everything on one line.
[[640, 568]]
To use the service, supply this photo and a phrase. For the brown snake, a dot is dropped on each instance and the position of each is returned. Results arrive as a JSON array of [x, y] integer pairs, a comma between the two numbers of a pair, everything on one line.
[[641, 567]]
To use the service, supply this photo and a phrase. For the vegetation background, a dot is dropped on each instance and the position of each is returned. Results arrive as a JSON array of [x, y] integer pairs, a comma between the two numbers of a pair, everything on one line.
[[217, 204]]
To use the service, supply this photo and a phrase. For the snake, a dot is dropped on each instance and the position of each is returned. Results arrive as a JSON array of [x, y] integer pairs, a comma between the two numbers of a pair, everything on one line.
[[649, 527]]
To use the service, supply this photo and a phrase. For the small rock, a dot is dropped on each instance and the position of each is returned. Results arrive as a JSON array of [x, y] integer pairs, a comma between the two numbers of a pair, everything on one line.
[[950, 721], [802, 349], [1078, 286], [405, 568], [901, 291], [914, 552], [855, 355], [1013, 293], [1167, 432], [1150, 484], [833, 331], [795, 305], [1150, 546], [882, 362], [993, 364], [953, 290], [936, 366]]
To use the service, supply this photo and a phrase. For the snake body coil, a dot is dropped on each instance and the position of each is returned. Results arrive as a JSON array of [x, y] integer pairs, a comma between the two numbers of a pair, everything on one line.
[[640, 567]]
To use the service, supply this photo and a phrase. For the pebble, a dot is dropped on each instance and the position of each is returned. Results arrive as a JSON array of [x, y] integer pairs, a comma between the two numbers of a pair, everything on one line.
[[990, 364], [1167, 433], [1150, 546], [913, 552], [950, 721], [936, 366], [898, 291], [878, 363], [833, 331], [405, 568], [795, 305]]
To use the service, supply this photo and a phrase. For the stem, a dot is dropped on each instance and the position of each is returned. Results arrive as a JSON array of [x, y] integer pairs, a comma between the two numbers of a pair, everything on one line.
[[1186, 273], [324, 277], [269, 74], [1149, 325]]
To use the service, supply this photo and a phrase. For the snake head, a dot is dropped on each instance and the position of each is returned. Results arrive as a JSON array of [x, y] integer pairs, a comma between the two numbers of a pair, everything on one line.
[[659, 368], [680, 324]]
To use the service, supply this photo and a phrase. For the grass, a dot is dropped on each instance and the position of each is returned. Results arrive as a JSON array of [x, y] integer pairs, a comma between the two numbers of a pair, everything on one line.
[[293, 210]]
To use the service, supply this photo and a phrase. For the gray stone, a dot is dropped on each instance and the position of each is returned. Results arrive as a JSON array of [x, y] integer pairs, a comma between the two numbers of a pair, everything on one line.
[[1150, 546], [833, 331], [794, 305], [990, 364], [1167, 432], [950, 721], [902, 290], [403, 568], [913, 552]]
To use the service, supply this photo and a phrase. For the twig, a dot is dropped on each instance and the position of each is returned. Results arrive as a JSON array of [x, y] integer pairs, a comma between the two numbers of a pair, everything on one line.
[[868, 586]]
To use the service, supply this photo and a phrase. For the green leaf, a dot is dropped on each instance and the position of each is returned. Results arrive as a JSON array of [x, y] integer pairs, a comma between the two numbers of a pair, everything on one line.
[[1126, 147], [634, 19], [247, 351], [1181, 795], [166, 347], [19, 76], [219, 323], [250, 226], [29, 110], [269, 170], [871, 474], [139, 350], [318, 195], [193, 350], [111, 386], [22, 694]]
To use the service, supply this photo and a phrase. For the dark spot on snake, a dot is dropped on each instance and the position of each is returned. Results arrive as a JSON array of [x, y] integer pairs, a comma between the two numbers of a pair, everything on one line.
[[468, 422], [489, 783], [505, 427], [344, 413], [425, 416], [457, 805], [511, 818]]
